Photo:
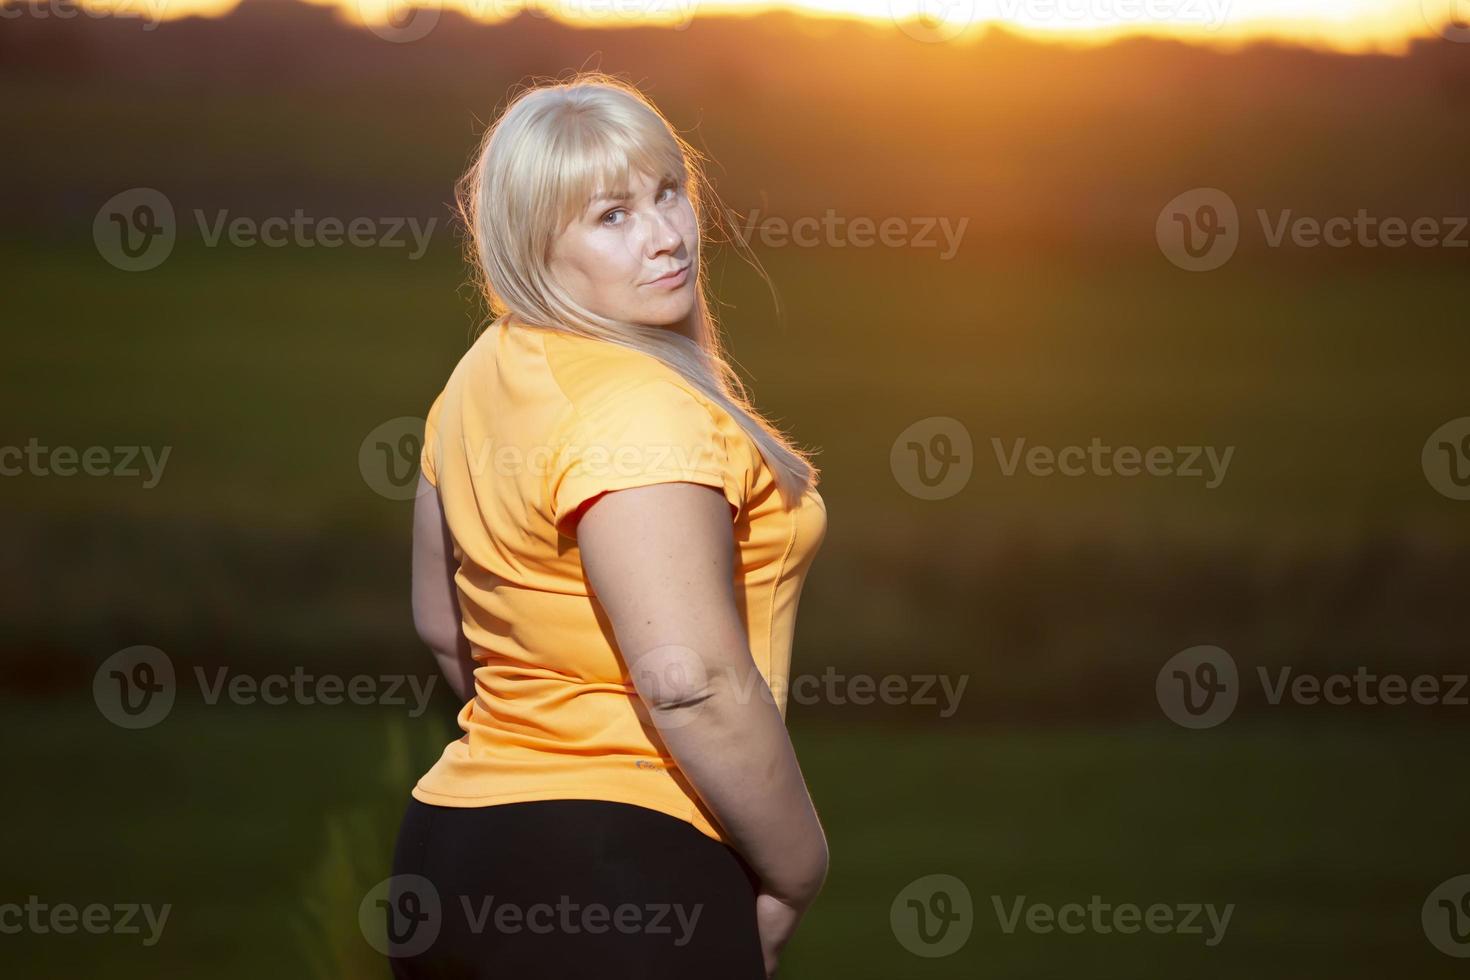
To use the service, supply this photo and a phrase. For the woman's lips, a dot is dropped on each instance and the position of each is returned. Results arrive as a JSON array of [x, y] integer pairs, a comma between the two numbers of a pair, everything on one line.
[[672, 281]]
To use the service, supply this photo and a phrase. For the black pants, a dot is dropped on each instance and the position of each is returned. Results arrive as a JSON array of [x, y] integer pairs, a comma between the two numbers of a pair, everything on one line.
[[565, 889]]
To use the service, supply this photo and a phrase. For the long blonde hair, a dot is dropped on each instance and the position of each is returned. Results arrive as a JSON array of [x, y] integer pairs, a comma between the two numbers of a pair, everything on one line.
[[536, 167]]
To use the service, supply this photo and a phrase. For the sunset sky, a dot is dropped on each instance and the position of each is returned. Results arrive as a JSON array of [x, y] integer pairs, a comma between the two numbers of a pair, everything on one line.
[[1346, 25]]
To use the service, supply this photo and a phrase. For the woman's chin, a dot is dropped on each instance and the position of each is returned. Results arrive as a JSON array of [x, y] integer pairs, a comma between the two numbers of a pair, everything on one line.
[[666, 315]]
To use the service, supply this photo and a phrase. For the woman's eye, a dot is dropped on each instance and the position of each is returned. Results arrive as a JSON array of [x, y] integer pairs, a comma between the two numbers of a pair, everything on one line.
[[671, 186]]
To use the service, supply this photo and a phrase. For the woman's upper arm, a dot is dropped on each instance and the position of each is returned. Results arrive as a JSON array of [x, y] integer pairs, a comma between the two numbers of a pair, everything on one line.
[[660, 559], [435, 604]]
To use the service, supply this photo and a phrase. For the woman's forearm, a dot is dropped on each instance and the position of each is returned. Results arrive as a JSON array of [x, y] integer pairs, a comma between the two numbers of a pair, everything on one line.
[[660, 559], [731, 742], [434, 595]]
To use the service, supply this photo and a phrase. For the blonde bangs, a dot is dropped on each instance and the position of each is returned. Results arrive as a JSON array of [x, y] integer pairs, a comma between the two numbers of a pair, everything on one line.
[[593, 157]]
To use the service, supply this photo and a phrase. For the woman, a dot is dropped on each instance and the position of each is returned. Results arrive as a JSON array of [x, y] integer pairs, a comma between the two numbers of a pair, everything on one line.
[[609, 548]]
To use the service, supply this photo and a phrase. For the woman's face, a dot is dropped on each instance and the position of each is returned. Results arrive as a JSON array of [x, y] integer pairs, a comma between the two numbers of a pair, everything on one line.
[[612, 255]]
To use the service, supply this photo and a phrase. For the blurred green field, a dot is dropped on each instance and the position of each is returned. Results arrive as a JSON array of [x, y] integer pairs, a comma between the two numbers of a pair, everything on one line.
[[264, 828], [263, 370]]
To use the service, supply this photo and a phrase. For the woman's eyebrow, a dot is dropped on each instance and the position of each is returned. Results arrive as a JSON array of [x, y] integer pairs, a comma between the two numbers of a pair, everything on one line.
[[613, 197], [609, 196]]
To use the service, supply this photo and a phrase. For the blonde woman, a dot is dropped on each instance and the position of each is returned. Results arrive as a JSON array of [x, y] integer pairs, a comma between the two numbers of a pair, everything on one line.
[[609, 548]]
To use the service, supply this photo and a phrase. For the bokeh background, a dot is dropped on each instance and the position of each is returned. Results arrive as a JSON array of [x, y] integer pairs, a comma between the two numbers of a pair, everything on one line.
[[1116, 279]]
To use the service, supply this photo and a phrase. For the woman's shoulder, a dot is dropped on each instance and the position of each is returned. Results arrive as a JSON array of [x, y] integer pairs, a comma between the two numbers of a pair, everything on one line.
[[598, 376]]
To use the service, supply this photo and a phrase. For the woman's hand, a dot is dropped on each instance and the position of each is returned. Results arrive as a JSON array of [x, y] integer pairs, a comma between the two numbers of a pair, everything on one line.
[[777, 922]]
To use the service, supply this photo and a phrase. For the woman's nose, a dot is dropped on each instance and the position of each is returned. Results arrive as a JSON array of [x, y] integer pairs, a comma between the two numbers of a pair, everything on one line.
[[661, 234]]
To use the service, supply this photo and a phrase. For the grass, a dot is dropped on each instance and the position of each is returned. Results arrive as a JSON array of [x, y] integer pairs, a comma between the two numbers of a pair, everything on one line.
[[264, 828]]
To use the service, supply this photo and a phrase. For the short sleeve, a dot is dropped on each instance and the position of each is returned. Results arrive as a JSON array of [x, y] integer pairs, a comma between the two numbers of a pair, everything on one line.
[[429, 455], [655, 433]]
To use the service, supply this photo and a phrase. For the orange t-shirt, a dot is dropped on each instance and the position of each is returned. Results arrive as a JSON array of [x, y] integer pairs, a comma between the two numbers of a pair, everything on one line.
[[533, 424]]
